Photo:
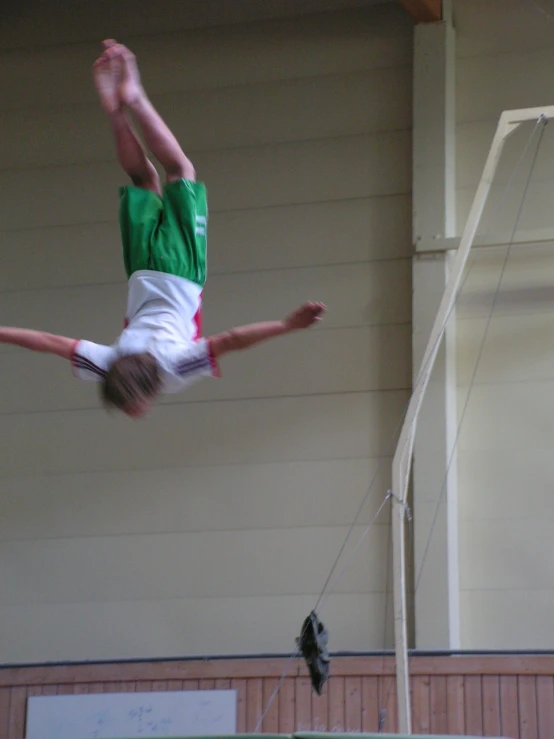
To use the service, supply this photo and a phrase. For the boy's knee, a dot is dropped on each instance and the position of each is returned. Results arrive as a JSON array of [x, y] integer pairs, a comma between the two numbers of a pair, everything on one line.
[[150, 182], [183, 170], [147, 177]]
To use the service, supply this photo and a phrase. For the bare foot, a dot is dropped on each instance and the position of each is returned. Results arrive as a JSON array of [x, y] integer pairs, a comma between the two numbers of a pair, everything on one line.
[[130, 87], [106, 73]]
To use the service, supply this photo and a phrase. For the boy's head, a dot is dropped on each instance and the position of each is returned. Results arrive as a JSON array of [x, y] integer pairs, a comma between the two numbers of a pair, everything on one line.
[[132, 383]]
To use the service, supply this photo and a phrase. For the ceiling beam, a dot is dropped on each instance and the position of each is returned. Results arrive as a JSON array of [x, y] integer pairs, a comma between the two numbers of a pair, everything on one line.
[[423, 11]]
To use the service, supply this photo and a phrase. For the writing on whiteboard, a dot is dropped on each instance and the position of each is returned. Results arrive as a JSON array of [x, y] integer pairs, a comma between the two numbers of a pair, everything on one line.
[[132, 715]]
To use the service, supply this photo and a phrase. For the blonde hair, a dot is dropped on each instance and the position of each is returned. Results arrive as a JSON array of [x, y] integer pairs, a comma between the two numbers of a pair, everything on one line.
[[130, 379]]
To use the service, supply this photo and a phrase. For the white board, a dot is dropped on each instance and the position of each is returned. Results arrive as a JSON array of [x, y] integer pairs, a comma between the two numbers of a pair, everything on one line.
[[132, 715]]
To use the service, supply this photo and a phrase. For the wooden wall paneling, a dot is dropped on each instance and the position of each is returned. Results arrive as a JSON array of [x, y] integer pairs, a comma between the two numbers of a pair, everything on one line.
[[491, 705], [527, 707], [240, 686], [336, 704], [391, 703], [474, 704], [421, 720], [353, 703], [287, 703], [370, 705], [509, 708], [545, 706], [18, 704], [270, 705], [303, 707], [320, 710], [4, 710], [483, 698], [254, 703], [438, 704], [455, 704]]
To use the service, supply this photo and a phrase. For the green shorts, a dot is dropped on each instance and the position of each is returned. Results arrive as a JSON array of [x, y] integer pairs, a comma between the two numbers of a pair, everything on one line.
[[165, 234]]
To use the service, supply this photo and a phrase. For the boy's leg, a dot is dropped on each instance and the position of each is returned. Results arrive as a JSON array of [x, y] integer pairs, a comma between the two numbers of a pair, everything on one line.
[[107, 73], [158, 137]]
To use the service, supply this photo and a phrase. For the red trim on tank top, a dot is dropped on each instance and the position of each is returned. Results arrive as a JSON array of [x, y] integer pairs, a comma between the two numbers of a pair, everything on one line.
[[198, 319]]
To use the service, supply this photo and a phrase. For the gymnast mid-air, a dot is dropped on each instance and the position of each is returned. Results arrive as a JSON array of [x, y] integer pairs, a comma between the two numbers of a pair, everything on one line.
[[164, 235]]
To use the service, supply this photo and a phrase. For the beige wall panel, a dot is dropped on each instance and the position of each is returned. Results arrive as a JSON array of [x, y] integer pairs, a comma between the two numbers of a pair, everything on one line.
[[473, 142], [342, 360], [497, 485], [224, 118], [266, 238], [238, 497], [356, 295], [78, 194], [431, 535], [493, 27], [222, 564], [339, 232], [525, 282], [500, 218], [516, 349], [221, 508], [326, 361], [525, 157], [78, 22], [508, 416], [506, 619], [186, 627], [497, 225], [241, 432], [43, 257], [486, 86], [505, 462], [288, 49], [503, 212], [514, 552]]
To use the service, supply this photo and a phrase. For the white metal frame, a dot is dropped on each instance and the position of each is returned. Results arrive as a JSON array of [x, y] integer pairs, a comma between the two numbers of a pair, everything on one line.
[[401, 466]]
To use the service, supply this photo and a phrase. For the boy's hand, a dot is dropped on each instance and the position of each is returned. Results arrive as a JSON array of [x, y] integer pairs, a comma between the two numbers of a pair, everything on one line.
[[304, 316]]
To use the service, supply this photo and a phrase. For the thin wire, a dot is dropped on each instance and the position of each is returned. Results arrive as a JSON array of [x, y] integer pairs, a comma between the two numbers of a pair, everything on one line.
[[486, 233], [358, 545], [484, 236], [281, 680], [422, 373], [372, 482], [296, 653], [480, 354]]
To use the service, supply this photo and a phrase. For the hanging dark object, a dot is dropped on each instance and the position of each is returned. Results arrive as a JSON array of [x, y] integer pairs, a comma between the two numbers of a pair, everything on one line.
[[312, 643]]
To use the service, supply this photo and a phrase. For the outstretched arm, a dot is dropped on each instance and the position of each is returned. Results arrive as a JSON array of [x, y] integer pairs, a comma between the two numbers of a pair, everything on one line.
[[38, 341], [243, 337]]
